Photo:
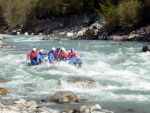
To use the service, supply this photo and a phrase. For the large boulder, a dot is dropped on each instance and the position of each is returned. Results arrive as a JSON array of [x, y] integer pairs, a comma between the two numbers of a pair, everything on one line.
[[70, 35], [145, 48], [117, 38], [90, 34], [133, 37], [26, 33], [63, 97], [9, 47]]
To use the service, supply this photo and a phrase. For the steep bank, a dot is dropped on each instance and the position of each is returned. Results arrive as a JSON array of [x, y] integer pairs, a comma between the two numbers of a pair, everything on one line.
[[89, 26], [84, 26], [71, 26]]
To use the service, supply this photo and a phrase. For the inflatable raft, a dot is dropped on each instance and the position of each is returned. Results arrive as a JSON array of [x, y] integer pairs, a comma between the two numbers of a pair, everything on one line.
[[73, 61]]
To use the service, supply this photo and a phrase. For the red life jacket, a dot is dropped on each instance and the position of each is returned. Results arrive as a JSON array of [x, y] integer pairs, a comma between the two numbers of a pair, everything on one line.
[[55, 54], [72, 54], [62, 54], [32, 55]]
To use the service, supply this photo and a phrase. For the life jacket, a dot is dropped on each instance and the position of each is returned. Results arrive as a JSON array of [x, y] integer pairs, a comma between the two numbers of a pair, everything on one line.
[[40, 57], [62, 55], [72, 54], [55, 54], [32, 55]]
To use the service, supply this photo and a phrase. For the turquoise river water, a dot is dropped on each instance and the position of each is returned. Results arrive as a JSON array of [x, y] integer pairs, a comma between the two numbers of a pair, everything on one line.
[[120, 70]]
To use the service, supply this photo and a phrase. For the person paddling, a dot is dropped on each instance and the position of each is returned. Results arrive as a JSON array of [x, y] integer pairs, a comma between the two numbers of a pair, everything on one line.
[[40, 57], [73, 58], [72, 54], [32, 55], [52, 55], [62, 55]]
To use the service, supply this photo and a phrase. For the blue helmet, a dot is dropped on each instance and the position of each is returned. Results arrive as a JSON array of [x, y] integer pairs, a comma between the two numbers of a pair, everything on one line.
[[72, 49]]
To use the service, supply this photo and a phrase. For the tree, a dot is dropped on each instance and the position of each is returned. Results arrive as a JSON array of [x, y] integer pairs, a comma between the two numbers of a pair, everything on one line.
[[123, 16], [15, 12]]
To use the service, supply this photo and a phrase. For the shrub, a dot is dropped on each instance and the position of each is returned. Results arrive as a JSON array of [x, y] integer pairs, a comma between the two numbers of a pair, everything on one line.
[[145, 12], [73, 7], [1, 17], [125, 15], [89, 34], [15, 12], [128, 14], [109, 12], [45, 9]]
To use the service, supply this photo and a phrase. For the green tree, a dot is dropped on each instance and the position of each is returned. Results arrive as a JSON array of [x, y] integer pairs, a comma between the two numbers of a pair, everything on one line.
[[47, 8], [109, 12], [145, 12], [73, 6], [123, 16], [128, 14], [1, 17], [15, 12]]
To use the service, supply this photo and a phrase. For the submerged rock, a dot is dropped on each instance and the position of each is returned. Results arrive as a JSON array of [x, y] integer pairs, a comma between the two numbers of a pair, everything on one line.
[[81, 100], [31, 103], [4, 46], [4, 91], [130, 110], [46, 38], [20, 101], [79, 82], [2, 80]]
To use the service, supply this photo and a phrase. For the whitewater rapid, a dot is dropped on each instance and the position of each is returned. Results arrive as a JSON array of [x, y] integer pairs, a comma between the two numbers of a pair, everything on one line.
[[120, 71]]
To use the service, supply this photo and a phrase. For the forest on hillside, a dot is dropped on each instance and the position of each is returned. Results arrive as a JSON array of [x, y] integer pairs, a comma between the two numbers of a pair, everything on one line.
[[119, 14]]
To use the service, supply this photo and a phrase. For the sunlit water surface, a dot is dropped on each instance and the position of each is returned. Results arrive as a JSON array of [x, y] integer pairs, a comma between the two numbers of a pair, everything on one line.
[[120, 70]]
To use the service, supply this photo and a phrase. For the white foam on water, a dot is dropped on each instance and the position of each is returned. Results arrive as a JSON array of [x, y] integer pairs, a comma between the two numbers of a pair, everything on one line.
[[23, 38], [121, 73]]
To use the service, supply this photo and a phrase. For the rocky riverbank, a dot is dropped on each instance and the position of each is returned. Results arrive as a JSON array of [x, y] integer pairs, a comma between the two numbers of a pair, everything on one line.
[[86, 26], [64, 98], [31, 106], [83, 27], [41, 106], [3, 45]]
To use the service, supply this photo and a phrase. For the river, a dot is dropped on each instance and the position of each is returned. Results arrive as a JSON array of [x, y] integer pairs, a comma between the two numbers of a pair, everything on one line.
[[120, 70]]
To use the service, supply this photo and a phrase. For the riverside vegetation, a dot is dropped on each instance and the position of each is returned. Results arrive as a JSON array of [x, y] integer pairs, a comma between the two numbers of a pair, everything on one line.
[[119, 15]]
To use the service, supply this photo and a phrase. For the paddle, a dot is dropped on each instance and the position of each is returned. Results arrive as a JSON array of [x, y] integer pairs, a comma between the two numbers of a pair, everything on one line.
[[25, 61]]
